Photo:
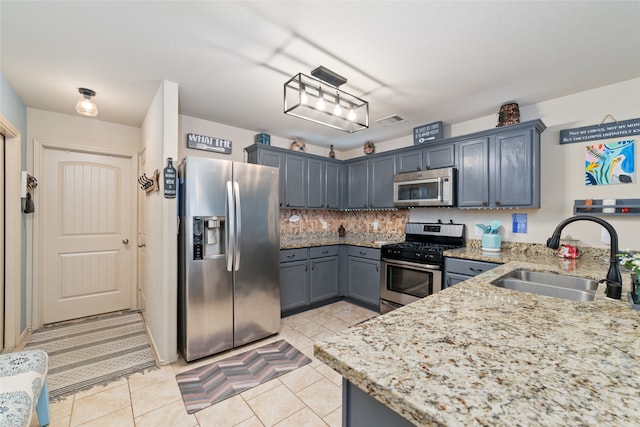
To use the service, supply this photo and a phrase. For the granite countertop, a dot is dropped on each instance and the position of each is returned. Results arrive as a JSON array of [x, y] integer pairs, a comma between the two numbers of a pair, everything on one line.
[[309, 240], [475, 354]]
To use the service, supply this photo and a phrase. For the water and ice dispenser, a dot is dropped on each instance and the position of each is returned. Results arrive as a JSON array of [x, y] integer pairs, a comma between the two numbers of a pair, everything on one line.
[[208, 237]]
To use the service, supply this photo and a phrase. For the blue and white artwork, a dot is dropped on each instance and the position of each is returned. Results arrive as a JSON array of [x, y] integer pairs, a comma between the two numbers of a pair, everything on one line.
[[610, 163]]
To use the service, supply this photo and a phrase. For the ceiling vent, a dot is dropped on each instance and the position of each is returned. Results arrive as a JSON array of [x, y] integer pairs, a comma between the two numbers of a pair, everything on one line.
[[390, 120]]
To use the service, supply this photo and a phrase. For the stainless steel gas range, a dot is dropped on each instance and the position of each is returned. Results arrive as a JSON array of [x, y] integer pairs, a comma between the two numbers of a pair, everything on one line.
[[412, 269]]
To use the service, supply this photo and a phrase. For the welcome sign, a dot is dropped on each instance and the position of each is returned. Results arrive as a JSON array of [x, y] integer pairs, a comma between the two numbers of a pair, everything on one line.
[[208, 143]]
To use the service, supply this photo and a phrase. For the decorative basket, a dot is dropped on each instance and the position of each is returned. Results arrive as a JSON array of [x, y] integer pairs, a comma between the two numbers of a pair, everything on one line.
[[509, 114]]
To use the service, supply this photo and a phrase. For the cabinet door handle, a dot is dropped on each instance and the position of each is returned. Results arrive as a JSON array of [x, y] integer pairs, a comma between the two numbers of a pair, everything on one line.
[[377, 267], [448, 282], [325, 252], [498, 202], [291, 256], [484, 203], [476, 270], [280, 204], [287, 204], [363, 253]]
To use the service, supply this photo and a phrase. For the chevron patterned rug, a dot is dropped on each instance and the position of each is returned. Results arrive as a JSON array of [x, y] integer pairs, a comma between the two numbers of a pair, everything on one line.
[[204, 386], [93, 351]]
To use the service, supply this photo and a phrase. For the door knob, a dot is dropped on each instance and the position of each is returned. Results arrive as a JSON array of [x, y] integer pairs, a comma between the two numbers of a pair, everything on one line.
[[141, 245], [125, 241]]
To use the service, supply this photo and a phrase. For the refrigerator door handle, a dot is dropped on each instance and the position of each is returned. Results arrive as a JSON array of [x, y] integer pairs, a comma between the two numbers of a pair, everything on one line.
[[229, 229], [238, 234]]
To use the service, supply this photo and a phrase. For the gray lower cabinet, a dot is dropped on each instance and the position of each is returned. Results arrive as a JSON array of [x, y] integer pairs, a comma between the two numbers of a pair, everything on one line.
[[363, 275], [323, 282], [294, 279], [308, 276], [361, 410], [458, 270]]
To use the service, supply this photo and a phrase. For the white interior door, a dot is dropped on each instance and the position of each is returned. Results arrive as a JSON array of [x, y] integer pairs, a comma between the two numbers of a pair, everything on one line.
[[142, 241], [87, 214]]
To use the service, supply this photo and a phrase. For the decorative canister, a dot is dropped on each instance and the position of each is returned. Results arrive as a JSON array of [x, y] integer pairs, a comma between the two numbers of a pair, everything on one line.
[[509, 114], [491, 242]]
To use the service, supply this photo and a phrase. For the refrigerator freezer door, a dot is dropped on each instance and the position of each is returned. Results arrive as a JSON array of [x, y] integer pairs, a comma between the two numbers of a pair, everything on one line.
[[205, 293], [257, 279]]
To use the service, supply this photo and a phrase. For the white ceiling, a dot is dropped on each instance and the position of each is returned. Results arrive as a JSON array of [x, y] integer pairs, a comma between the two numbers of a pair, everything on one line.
[[423, 60]]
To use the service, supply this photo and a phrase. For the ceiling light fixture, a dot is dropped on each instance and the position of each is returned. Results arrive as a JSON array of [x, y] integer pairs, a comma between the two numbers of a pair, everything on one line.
[[305, 98], [85, 105]]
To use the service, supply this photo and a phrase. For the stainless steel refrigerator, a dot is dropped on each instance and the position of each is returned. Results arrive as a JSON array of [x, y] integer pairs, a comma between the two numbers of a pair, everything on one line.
[[229, 243]]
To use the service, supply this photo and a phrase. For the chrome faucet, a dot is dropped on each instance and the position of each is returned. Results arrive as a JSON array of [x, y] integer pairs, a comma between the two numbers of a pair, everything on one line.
[[614, 279]]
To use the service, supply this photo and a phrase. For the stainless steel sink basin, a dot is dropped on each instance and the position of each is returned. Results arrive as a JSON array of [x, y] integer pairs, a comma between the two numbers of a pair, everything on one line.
[[549, 284]]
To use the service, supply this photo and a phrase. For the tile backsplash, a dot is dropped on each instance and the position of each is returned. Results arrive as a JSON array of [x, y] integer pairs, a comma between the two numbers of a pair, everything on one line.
[[311, 221]]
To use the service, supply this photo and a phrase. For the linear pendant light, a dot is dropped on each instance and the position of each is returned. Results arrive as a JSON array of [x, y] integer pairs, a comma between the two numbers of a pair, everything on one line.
[[311, 98]]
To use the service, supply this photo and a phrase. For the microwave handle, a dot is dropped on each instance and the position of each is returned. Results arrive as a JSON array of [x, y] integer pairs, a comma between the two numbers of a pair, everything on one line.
[[440, 190]]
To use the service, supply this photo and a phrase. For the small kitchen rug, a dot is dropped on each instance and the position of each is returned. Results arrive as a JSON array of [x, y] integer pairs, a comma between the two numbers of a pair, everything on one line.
[[204, 386], [93, 351]]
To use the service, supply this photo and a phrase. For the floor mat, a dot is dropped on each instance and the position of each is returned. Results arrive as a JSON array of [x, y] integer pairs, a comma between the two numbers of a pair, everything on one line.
[[203, 386], [95, 351]]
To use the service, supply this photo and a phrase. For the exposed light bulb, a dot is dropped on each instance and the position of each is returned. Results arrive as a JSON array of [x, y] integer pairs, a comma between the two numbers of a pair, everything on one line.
[[303, 96], [85, 105], [352, 114], [337, 110], [320, 105]]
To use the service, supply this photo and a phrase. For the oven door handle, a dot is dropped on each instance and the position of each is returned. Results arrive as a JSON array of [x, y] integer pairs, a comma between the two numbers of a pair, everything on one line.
[[414, 265]]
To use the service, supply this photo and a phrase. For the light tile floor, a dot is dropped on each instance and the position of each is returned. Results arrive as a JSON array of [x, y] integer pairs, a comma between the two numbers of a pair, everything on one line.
[[309, 396]]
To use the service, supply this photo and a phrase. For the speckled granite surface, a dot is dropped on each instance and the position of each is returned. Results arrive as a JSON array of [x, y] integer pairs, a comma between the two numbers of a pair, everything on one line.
[[475, 354], [308, 240]]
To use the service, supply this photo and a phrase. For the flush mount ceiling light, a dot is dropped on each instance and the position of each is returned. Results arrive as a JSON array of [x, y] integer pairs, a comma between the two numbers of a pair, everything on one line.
[[318, 99], [85, 105]]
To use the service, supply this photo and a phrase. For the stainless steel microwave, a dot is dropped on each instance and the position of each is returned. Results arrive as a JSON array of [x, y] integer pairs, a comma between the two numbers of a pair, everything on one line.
[[434, 187]]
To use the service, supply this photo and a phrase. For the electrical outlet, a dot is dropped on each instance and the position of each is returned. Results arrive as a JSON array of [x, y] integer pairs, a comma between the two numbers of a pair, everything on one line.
[[324, 225], [375, 225]]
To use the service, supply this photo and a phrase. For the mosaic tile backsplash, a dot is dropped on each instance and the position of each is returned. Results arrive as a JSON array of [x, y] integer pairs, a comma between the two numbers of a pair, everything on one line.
[[390, 222]]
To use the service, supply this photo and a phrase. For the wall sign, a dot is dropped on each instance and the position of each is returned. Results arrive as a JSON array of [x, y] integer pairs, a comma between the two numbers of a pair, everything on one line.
[[208, 143], [519, 223], [429, 132], [624, 128]]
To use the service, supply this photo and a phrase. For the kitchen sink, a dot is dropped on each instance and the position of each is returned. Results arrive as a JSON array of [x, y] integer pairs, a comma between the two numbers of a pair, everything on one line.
[[549, 284]]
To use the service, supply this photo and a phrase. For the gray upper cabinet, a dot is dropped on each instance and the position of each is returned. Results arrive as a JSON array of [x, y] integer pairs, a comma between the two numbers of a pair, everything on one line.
[[332, 185], [409, 161], [501, 169], [473, 173], [370, 182], [432, 157], [358, 184], [439, 156], [316, 176], [381, 174], [295, 194], [514, 180]]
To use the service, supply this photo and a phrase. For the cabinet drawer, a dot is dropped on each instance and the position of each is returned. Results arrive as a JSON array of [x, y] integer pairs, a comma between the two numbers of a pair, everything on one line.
[[362, 252], [323, 251], [467, 267], [287, 255]]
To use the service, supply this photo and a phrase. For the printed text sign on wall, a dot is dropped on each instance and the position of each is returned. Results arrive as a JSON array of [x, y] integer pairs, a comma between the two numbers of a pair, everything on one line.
[[208, 143], [623, 128], [430, 132]]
